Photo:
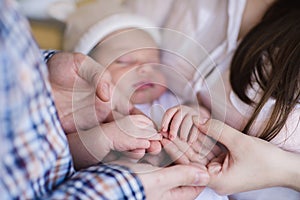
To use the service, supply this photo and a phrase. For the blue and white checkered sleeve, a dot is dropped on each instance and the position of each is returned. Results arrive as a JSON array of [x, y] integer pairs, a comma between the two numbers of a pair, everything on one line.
[[101, 182], [35, 160]]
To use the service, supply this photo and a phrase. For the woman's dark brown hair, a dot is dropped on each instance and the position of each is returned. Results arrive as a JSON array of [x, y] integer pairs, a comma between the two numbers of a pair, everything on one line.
[[270, 56]]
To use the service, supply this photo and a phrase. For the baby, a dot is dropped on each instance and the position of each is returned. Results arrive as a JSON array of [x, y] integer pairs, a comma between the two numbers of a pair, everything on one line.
[[132, 58], [128, 46], [126, 133]]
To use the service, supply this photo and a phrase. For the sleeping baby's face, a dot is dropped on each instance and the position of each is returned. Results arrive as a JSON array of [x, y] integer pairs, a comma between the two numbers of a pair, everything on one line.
[[133, 60]]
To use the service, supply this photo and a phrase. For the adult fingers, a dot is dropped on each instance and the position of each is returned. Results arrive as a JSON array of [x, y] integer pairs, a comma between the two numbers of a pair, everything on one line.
[[135, 154], [167, 183], [120, 102], [185, 192], [206, 146], [138, 126], [221, 132], [189, 152], [135, 143], [204, 154], [94, 74], [188, 176], [174, 152], [155, 147], [215, 165]]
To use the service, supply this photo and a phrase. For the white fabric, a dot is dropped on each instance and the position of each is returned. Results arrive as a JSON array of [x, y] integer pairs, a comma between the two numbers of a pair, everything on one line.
[[102, 28], [215, 25], [275, 193], [156, 109], [91, 23], [209, 194], [203, 21]]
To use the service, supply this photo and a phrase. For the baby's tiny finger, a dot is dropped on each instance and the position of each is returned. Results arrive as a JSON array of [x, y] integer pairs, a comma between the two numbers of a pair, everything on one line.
[[185, 128], [167, 119], [193, 135], [175, 124]]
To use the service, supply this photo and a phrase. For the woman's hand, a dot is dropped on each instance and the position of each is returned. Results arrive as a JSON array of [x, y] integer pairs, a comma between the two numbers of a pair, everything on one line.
[[249, 164], [200, 152]]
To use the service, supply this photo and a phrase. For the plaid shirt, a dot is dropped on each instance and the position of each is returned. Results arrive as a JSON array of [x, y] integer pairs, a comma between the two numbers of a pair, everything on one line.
[[35, 159]]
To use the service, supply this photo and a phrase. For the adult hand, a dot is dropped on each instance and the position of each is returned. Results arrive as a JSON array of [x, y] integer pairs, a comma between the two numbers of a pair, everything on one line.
[[201, 149], [175, 182], [127, 135], [82, 91], [249, 164], [132, 134], [200, 152]]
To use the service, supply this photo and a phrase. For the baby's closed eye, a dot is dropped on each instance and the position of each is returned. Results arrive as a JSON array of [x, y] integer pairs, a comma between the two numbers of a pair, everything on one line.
[[126, 60]]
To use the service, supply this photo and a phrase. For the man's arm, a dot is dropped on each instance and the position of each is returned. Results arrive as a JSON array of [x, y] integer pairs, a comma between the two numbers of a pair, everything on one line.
[[100, 182]]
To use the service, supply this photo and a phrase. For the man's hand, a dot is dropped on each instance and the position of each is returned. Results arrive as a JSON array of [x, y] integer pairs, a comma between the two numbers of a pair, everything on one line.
[[83, 91], [127, 134], [176, 182]]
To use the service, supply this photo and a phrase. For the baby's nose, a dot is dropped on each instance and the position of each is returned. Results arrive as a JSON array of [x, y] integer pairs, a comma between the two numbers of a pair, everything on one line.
[[144, 68]]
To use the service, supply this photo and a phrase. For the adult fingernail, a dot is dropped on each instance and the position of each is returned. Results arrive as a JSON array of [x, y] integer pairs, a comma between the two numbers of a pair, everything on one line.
[[105, 89], [199, 120], [214, 168], [201, 179]]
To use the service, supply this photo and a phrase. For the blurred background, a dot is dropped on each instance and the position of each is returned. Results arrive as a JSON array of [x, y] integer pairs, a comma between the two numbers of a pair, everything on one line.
[[46, 18]]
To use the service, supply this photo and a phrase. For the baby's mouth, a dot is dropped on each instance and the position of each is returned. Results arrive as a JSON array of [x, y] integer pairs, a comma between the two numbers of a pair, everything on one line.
[[143, 85]]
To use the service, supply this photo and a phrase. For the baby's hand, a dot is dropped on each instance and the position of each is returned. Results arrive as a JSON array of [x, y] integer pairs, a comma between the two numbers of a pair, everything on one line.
[[132, 133], [178, 120]]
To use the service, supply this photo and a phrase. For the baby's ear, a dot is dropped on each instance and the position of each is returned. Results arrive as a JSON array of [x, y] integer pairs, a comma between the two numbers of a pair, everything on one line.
[[61, 9]]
